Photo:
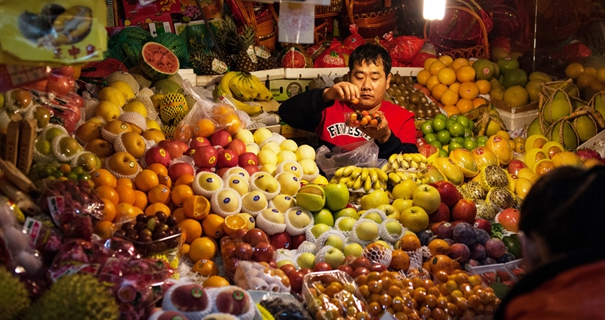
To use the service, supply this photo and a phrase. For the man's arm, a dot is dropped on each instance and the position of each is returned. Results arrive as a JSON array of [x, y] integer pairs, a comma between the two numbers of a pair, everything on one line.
[[303, 111]]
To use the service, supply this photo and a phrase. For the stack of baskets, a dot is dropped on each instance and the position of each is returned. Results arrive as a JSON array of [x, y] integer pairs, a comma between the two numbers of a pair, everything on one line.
[[265, 25], [324, 19], [372, 17]]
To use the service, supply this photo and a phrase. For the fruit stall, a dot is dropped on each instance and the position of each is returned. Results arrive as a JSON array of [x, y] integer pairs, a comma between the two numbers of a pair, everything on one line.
[[146, 173]]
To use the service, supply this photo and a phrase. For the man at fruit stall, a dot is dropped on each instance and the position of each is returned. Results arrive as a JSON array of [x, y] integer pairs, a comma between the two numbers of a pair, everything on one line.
[[562, 234], [324, 111]]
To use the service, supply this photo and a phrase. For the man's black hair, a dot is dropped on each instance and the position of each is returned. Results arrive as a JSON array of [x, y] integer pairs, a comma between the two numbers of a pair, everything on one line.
[[371, 53]]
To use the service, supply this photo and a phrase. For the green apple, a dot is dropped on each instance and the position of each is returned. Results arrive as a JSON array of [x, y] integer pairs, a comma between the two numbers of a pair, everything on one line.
[[390, 210], [374, 199], [347, 212], [306, 260], [367, 230], [283, 263], [393, 227], [405, 189], [318, 229], [427, 197], [402, 204], [311, 197], [334, 257], [324, 216], [374, 216], [346, 224], [353, 249], [415, 219], [337, 196], [334, 241]]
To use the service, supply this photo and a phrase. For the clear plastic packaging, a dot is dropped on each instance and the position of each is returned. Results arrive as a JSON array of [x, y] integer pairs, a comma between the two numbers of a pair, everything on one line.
[[255, 276], [332, 294], [150, 248], [283, 306], [361, 118]]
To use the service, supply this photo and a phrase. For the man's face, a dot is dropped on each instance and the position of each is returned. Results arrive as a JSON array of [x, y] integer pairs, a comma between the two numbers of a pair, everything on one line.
[[372, 82]]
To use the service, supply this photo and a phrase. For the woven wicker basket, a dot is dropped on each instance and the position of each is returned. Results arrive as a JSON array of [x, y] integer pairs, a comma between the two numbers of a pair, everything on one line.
[[328, 11], [374, 23], [266, 27]]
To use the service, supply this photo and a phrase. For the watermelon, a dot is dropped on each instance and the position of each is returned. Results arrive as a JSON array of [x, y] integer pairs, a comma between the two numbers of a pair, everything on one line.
[[158, 62], [175, 44]]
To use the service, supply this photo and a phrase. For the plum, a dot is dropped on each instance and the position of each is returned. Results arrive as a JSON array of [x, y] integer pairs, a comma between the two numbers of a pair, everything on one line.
[[488, 261], [478, 252], [460, 252], [507, 257], [482, 236], [449, 241], [495, 248], [425, 237], [465, 233]]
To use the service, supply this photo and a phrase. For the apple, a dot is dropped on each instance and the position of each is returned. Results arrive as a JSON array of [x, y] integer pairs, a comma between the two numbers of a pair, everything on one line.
[[306, 260], [322, 266], [227, 158], [374, 216], [311, 197], [374, 199], [297, 240], [237, 145], [296, 281], [288, 268], [178, 169], [337, 196], [318, 229], [361, 262], [405, 189], [427, 197], [251, 169], [324, 216], [199, 142], [514, 166], [402, 204], [334, 241], [175, 147], [483, 224], [394, 227], [442, 214], [157, 155], [443, 229], [378, 267], [360, 271], [415, 218], [367, 230], [353, 249], [390, 210], [244, 251], [281, 240], [247, 159], [334, 257], [346, 224], [465, 210], [346, 269], [220, 138], [448, 192], [255, 236], [205, 156], [263, 252], [347, 212]]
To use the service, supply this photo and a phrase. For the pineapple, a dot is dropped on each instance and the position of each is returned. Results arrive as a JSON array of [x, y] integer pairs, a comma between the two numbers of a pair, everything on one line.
[[268, 63], [242, 60], [202, 60]]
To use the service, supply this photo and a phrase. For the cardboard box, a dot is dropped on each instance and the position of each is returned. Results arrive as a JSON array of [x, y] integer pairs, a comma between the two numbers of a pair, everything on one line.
[[515, 118], [155, 24], [285, 89], [133, 9]]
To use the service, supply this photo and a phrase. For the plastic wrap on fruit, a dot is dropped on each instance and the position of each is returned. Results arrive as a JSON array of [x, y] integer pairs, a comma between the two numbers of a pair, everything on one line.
[[73, 256], [331, 57], [65, 109], [354, 40], [48, 242]]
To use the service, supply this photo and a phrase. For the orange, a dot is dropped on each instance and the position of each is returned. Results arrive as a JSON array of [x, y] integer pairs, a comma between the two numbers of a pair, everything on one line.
[[451, 110], [184, 249], [152, 209], [196, 207], [204, 128], [459, 62], [180, 193], [215, 281], [125, 182], [104, 229], [441, 262], [108, 193], [449, 97], [202, 248], [165, 180], [186, 179], [454, 86], [439, 246], [447, 60], [422, 77], [213, 226], [102, 177], [159, 193], [140, 199], [125, 213], [447, 76], [192, 229], [409, 242], [484, 86], [435, 67], [428, 62], [432, 82], [146, 179], [477, 102], [179, 214], [183, 132], [65, 168], [109, 210], [231, 121], [205, 267], [574, 70], [465, 74], [125, 193], [468, 90], [438, 90], [234, 223], [400, 260], [158, 168], [465, 105]]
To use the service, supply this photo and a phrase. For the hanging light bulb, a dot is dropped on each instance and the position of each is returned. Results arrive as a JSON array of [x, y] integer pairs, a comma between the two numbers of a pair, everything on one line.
[[433, 9]]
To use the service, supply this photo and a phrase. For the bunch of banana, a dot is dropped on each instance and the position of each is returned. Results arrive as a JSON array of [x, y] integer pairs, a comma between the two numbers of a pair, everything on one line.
[[223, 94], [246, 87], [396, 177], [408, 162], [356, 178]]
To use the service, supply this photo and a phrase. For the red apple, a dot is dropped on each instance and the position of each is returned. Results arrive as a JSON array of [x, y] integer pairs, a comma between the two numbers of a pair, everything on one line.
[[60, 84], [483, 224], [263, 252], [244, 251], [157, 155], [360, 271], [221, 171], [221, 138], [322, 266], [251, 169], [227, 158], [205, 156], [281, 240], [204, 169], [347, 269], [442, 229], [464, 210], [442, 214], [515, 165], [305, 270], [199, 142], [296, 281], [255, 235], [427, 149], [361, 262], [288, 269], [247, 159], [175, 147], [178, 169], [237, 145], [448, 192], [297, 240]]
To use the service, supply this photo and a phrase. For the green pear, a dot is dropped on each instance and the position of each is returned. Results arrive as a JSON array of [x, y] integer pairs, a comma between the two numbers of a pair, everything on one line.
[[353, 249], [337, 196], [324, 216], [334, 241], [347, 212], [367, 230], [346, 224], [318, 229]]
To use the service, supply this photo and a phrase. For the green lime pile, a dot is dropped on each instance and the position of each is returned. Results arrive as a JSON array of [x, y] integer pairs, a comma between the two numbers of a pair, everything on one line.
[[56, 170], [448, 134]]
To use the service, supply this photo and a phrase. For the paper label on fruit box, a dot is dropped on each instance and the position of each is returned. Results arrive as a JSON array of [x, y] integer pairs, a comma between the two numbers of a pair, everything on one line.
[[33, 227], [56, 205]]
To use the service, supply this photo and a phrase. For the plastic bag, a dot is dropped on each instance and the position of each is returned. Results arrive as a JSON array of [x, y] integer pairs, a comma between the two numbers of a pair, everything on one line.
[[354, 40], [406, 47], [361, 154], [331, 57]]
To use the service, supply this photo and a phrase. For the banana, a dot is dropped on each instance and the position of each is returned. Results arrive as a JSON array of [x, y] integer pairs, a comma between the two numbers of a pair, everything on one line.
[[224, 83], [395, 165], [357, 183], [247, 87], [348, 170], [394, 178], [377, 185], [263, 93], [422, 166], [343, 180], [350, 183], [414, 164], [404, 164], [381, 174], [372, 174], [367, 185], [403, 175], [393, 157], [407, 157], [383, 185], [386, 167], [252, 110], [364, 174], [334, 180], [356, 173], [339, 172], [236, 86]]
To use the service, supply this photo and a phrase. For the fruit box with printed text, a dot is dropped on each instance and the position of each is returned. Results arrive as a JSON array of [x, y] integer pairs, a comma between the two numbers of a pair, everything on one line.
[[134, 9]]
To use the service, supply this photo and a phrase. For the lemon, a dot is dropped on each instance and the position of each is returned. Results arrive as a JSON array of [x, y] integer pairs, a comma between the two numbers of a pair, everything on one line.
[[136, 106], [156, 99], [107, 110], [124, 87], [152, 124], [113, 95]]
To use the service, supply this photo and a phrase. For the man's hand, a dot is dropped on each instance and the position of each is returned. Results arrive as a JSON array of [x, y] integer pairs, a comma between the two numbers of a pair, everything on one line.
[[344, 91], [381, 132]]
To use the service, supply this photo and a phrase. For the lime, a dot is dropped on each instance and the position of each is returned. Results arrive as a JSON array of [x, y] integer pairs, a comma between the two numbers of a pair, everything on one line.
[[471, 125], [426, 127], [484, 69], [430, 137], [469, 145], [482, 139], [454, 145], [71, 176], [77, 170], [442, 152], [439, 123], [459, 140], [444, 137], [457, 130], [440, 116], [450, 122], [468, 132], [436, 144], [463, 120]]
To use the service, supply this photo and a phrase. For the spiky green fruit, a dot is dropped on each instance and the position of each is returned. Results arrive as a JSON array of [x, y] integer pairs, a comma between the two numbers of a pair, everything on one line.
[[13, 296]]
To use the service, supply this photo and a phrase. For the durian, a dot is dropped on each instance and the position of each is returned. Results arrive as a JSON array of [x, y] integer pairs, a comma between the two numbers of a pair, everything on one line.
[[14, 298]]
